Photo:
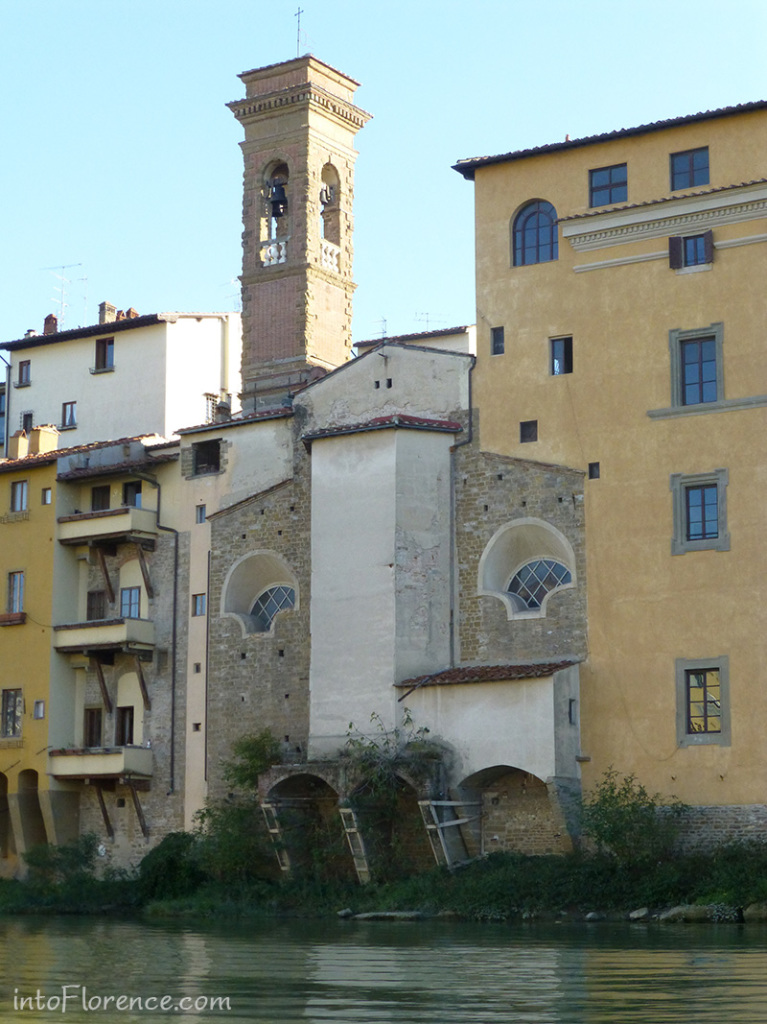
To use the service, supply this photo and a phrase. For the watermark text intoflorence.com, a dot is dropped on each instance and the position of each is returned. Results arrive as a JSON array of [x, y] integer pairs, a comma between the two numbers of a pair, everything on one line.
[[77, 997]]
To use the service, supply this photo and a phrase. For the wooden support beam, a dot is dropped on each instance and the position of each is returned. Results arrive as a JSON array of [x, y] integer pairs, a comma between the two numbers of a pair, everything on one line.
[[105, 698], [101, 558], [145, 571], [142, 683], [105, 812], [138, 808]]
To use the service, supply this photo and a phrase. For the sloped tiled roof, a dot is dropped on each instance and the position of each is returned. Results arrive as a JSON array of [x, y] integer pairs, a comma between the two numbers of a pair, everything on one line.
[[387, 422], [399, 339], [486, 674], [469, 166]]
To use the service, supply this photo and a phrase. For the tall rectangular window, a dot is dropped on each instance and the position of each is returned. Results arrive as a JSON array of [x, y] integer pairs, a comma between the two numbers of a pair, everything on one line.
[[608, 185], [19, 496], [130, 602], [699, 371], [100, 497], [2, 415], [704, 700], [124, 726], [200, 514], [689, 168], [93, 727], [105, 354], [561, 356], [702, 512], [97, 605], [497, 341], [27, 421], [198, 604], [11, 714], [15, 592], [68, 414], [132, 493], [25, 373]]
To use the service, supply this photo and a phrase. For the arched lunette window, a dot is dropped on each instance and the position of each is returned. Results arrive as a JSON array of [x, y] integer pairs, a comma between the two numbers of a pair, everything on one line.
[[268, 604], [534, 234], [533, 581]]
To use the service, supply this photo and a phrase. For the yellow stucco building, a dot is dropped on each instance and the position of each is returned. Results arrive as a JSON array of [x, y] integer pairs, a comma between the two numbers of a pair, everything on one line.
[[620, 331]]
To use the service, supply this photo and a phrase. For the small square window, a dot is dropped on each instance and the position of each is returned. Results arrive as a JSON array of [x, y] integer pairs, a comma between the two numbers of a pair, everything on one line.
[[497, 341], [691, 250], [130, 603], [608, 185], [25, 373], [39, 709], [100, 497], [528, 431], [198, 604], [594, 471], [699, 512], [132, 494], [19, 496], [561, 356], [105, 355], [207, 457], [689, 168], [47, 496], [200, 514], [96, 607], [68, 415], [703, 701]]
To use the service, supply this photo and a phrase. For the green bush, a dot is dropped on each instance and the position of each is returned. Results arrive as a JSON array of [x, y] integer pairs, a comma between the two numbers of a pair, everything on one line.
[[172, 869], [626, 821]]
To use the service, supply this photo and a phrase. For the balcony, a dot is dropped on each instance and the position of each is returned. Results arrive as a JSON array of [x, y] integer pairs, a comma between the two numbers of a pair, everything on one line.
[[100, 763], [128, 635], [110, 526]]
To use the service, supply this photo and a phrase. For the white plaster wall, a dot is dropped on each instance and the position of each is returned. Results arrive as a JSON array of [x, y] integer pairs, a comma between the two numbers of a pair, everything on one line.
[[423, 383], [488, 724], [353, 609], [203, 357], [125, 403], [423, 531]]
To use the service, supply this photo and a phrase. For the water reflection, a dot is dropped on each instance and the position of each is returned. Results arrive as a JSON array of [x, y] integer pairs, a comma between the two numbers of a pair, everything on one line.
[[384, 973]]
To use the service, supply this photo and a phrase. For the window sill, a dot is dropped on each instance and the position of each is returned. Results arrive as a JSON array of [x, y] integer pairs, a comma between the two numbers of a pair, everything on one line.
[[8, 742], [13, 618], [102, 369], [68, 426], [22, 383], [17, 516], [696, 268], [724, 405]]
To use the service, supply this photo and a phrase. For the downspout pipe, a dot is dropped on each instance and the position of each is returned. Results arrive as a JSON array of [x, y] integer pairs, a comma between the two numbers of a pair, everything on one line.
[[174, 634], [453, 538]]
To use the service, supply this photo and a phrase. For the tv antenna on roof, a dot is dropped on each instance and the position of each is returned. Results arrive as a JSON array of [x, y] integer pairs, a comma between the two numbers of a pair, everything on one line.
[[298, 14], [63, 290]]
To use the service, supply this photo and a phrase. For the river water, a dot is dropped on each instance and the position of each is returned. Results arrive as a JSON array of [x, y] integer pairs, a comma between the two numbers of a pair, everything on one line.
[[286, 972]]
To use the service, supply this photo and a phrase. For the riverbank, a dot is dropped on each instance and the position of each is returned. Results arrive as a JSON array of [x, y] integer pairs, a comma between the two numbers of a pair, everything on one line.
[[501, 887]]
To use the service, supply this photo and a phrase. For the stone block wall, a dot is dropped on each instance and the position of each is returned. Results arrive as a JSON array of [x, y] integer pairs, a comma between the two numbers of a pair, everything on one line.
[[491, 491], [261, 680]]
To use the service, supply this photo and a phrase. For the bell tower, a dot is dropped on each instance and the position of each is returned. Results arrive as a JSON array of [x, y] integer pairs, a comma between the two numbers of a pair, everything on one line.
[[298, 186]]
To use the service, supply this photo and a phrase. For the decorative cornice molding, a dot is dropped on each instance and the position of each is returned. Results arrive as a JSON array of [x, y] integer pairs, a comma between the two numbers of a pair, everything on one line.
[[251, 109], [689, 215], [646, 257], [724, 405]]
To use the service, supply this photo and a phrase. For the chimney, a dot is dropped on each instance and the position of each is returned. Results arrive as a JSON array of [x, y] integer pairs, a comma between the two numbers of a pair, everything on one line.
[[51, 325], [132, 314], [18, 446], [43, 439], [223, 411], [107, 313], [31, 333]]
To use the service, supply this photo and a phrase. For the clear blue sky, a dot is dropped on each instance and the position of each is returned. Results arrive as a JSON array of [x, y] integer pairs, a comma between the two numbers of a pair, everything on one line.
[[120, 157]]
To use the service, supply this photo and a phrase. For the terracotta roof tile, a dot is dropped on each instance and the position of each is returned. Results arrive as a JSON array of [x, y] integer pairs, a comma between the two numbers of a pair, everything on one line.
[[400, 339], [468, 167], [486, 674], [387, 422]]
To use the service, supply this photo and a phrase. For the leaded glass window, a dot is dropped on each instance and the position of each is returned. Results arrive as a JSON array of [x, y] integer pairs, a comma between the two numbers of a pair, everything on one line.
[[538, 578], [269, 604], [535, 234]]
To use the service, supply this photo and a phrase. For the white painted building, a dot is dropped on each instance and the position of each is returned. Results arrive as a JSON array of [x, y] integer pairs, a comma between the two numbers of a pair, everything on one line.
[[125, 376]]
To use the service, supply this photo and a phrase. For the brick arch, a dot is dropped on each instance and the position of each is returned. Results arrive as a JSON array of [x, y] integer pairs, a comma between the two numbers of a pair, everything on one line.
[[248, 577]]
